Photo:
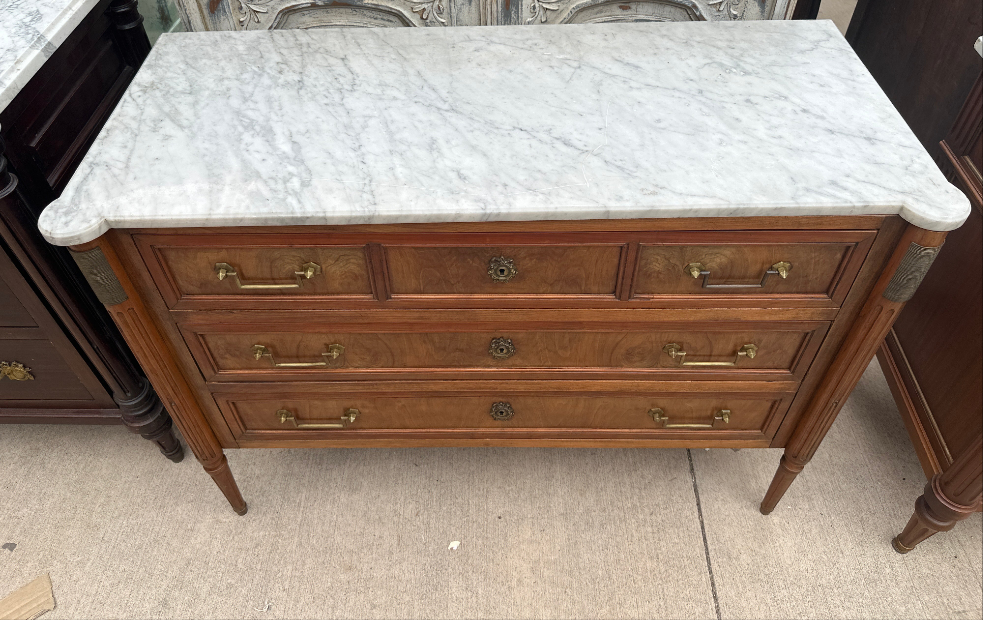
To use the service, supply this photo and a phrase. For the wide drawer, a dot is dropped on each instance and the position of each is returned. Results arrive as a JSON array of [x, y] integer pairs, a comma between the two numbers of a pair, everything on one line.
[[749, 351], [500, 412], [782, 264], [504, 270]]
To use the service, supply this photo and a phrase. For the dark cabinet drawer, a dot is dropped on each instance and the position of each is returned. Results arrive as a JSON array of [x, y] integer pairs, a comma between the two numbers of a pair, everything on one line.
[[46, 375]]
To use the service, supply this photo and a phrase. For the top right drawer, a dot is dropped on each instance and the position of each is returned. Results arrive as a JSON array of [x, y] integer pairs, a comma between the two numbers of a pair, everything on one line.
[[796, 267]]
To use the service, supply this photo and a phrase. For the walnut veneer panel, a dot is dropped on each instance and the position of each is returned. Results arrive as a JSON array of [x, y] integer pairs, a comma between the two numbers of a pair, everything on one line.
[[538, 270], [823, 265], [190, 272], [782, 349], [474, 412]]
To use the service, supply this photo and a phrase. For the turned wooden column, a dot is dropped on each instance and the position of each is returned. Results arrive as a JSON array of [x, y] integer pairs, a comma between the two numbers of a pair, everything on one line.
[[49, 269], [104, 271], [903, 273], [949, 497]]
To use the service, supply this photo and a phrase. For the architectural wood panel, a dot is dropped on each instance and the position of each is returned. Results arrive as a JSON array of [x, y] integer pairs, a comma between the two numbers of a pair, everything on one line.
[[281, 14]]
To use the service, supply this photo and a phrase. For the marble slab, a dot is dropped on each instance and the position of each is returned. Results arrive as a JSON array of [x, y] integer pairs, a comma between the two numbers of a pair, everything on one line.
[[355, 126], [30, 32]]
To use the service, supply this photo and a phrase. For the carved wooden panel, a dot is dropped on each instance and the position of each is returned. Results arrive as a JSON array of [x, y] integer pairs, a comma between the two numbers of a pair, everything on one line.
[[279, 14]]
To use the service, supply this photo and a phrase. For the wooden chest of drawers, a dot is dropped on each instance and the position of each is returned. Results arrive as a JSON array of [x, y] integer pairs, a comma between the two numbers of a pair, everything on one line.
[[409, 265]]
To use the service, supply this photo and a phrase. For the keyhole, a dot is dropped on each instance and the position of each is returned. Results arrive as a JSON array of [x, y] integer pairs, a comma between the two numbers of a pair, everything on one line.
[[502, 271], [501, 350]]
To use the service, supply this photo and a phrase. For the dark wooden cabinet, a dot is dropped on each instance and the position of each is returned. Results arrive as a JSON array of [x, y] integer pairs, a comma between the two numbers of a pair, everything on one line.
[[921, 54], [61, 357]]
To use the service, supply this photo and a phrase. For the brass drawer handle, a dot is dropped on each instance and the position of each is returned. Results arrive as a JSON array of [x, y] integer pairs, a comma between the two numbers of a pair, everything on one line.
[[502, 269], [342, 422], [697, 269], [660, 416], [334, 351], [501, 348], [15, 371], [676, 352], [308, 271], [502, 411]]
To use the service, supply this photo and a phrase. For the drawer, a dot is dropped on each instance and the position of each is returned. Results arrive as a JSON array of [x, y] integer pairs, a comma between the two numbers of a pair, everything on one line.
[[184, 272], [755, 351], [341, 415], [783, 264], [34, 370], [504, 270]]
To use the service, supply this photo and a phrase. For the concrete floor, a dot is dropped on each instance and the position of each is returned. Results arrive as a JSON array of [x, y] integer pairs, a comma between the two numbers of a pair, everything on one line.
[[544, 533]]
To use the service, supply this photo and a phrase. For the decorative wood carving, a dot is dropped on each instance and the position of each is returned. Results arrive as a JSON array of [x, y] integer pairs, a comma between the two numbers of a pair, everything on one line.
[[279, 14]]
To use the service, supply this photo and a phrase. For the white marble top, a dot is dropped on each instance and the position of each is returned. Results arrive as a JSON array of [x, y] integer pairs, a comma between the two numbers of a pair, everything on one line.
[[501, 123], [30, 32]]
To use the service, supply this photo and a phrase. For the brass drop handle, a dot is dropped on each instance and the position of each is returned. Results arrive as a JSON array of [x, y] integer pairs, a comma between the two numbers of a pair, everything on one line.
[[501, 348], [307, 271], [660, 416], [342, 422], [502, 269], [676, 352], [502, 411], [333, 352], [697, 269], [15, 371]]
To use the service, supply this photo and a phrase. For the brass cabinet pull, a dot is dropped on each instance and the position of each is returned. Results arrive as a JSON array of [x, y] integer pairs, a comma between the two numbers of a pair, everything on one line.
[[660, 416], [676, 352], [334, 351], [342, 422], [501, 348], [502, 411], [697, 269], [502, 269], [307, 271], [15, 371]]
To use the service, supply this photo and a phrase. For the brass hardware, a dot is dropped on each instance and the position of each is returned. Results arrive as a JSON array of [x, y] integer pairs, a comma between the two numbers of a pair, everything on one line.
[[15, 371], [342, 422], [698, 269], [660, 416], [676, 352], [308, 271], [502, 411], [100, 276], [501, 348], [334, 352], [502, 269]]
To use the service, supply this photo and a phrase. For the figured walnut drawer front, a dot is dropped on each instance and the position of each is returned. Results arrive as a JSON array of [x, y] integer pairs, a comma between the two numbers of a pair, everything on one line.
[[695, 349], [504, 270], [34, 370], [342, 415], [764, 265], [198, 272]]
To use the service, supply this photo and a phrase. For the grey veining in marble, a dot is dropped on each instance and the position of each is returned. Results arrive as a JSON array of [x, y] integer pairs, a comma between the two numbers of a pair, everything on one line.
[[475, 124], [30, 32]]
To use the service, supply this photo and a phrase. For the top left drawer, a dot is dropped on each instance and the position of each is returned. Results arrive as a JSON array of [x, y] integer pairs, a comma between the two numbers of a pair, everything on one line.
[[216, 275]]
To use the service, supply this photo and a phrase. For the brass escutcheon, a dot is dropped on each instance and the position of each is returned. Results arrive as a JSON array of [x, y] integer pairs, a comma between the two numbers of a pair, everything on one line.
[[501, 348], [502, 411], [502, 269], [15, 371]]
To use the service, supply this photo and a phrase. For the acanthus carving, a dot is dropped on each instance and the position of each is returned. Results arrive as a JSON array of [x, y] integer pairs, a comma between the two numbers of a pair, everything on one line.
[[250, 10], [540, 8], [432, 9], [735, 8]]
